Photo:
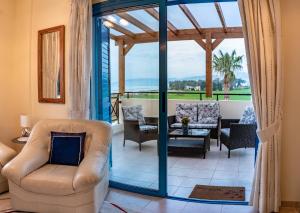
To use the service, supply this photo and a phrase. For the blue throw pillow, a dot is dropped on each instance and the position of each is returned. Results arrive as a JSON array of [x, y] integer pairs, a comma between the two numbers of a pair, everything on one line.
[[67, 148]]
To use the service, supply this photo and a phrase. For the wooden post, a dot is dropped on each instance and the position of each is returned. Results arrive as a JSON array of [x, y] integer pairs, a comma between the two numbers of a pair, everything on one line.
[[121, 67], [209, 85]]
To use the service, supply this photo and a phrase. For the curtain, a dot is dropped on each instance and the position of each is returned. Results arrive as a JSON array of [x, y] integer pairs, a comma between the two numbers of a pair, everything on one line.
[[51, 64], [262, 32], [80, 58]]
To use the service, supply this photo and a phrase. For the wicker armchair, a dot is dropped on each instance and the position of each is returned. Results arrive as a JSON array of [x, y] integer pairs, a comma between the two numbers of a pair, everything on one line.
[[136, 130], [236, 134]]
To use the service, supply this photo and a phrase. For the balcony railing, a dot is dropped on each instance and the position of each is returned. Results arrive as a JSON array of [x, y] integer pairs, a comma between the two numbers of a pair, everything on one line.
[[217, 96]]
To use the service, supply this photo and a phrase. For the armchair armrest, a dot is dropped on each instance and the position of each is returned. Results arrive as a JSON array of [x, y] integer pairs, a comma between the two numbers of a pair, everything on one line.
[[6, 154], [27, 161], [171, 120], [243, 132], [225, 123], [131, 125], [151, 121], [90, 171]]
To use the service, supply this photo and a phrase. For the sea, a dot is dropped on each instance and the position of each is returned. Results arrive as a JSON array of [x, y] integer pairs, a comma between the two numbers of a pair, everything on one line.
[[135, 85]]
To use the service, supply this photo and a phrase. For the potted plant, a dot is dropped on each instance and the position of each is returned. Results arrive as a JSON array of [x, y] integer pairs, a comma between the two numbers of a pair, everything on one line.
[[185, 125]]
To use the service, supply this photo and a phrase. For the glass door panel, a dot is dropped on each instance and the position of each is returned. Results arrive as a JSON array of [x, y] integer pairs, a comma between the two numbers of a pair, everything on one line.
[[134, 68]]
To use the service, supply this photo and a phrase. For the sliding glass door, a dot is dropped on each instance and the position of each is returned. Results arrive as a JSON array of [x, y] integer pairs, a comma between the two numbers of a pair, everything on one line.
[[130, 72], [138, 86]]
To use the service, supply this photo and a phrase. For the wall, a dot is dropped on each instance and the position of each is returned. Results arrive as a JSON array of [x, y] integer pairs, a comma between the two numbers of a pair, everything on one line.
[[290, 168], [229, 109], [45, 14], [8, 115], [20, 21]]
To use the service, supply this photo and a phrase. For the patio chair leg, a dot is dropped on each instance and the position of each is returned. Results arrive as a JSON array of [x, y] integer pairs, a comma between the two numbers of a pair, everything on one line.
[[228, 153], [140, 146], [220, 146], [124, 142]]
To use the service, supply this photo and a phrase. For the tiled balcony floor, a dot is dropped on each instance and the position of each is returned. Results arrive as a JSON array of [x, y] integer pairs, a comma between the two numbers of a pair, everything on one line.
[[137, 168]]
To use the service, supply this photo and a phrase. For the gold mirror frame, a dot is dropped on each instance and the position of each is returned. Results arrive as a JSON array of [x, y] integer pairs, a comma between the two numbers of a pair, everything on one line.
[[60, 84]]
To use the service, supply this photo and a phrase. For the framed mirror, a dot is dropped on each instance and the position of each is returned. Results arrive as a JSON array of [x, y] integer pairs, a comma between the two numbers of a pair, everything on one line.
[[51, 65]]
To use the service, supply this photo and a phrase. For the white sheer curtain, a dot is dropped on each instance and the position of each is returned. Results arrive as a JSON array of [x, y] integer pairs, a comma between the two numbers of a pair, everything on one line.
[[262, 31], [80, 58]]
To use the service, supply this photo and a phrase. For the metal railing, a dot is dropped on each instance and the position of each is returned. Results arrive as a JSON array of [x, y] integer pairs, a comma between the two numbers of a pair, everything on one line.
[[193, 95], [115, 107], [115, 98]]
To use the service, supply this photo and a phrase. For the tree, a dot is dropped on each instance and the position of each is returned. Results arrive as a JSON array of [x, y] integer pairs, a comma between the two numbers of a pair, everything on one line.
[[227, 64]]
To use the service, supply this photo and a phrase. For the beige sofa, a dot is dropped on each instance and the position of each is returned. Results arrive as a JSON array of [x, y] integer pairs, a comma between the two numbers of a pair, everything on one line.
[[36, 186], [6, 154]]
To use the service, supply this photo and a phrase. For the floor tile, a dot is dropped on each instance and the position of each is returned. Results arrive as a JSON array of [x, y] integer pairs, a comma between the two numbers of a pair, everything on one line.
[[202, 208], [165, 206], [140, 168], [183, 192], [237, 208]]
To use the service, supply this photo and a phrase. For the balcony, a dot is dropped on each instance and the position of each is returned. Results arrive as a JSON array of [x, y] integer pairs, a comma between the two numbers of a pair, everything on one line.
[[140, 168]]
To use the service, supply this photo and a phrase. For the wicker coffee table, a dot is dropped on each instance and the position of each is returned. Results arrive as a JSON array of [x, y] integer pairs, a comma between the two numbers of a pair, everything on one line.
[[196, 139]]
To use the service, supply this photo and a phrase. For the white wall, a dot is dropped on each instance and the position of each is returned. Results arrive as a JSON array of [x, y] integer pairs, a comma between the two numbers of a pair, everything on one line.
[[229, 109]]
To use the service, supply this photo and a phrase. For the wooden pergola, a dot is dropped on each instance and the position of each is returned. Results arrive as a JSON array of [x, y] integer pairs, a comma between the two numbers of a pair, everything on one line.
[[207, 38]]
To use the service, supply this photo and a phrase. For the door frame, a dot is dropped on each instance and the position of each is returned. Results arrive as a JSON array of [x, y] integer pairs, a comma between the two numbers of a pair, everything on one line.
[[111, 6]]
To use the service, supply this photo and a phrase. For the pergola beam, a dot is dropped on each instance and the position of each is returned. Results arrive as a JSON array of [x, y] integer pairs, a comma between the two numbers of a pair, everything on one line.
[[190, 16], [216, 43], [136, 23], [152, 12], [189, 34], [128, 48], [121, 67], [209, 85], [221, 15], [201, 43], [118, 28]]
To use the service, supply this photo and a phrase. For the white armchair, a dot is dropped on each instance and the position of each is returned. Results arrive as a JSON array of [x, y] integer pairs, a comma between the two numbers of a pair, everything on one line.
[[36, 186], [6, 154]]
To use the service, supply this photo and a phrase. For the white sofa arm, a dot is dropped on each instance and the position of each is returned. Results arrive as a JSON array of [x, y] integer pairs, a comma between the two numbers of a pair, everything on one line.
[[6, 154], [90, 171], [29, 160]]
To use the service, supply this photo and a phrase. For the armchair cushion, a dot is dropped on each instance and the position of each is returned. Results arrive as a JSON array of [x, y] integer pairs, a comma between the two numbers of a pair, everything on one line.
[[146, 128], [208, 113], [195, 126], [50, 179], [67, 148], [248, 116], [186, 110], [133, 113]]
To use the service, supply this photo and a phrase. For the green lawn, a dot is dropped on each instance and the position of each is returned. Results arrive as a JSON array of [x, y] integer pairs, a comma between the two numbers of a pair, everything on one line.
[[196, 96]]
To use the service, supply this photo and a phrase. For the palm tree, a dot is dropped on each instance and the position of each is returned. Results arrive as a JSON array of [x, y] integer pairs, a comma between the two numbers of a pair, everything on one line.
[[227, 64]]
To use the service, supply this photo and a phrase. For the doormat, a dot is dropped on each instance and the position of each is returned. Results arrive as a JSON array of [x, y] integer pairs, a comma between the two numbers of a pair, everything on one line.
[[218, 193]]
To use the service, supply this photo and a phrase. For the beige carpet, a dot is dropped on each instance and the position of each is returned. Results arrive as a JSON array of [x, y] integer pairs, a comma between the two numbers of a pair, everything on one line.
[[5, 206]]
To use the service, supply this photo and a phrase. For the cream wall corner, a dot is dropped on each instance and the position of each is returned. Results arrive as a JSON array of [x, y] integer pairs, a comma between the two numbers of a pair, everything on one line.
[[8, 108], [290, 169]]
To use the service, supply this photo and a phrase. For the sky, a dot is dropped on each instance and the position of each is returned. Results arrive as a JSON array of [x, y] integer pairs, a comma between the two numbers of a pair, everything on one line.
[[186, 59]]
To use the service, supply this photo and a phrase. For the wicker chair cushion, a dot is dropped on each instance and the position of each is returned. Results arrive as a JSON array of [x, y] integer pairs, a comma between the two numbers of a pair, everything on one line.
[[208, 113], [248, 116], [133, 113], [196, 126], [146, 128], [186, 110], [225, 131]]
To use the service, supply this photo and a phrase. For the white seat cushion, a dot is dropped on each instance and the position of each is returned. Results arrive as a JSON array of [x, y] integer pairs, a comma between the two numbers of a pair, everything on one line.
[[51, 179], [149, 128], [196, 126]]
